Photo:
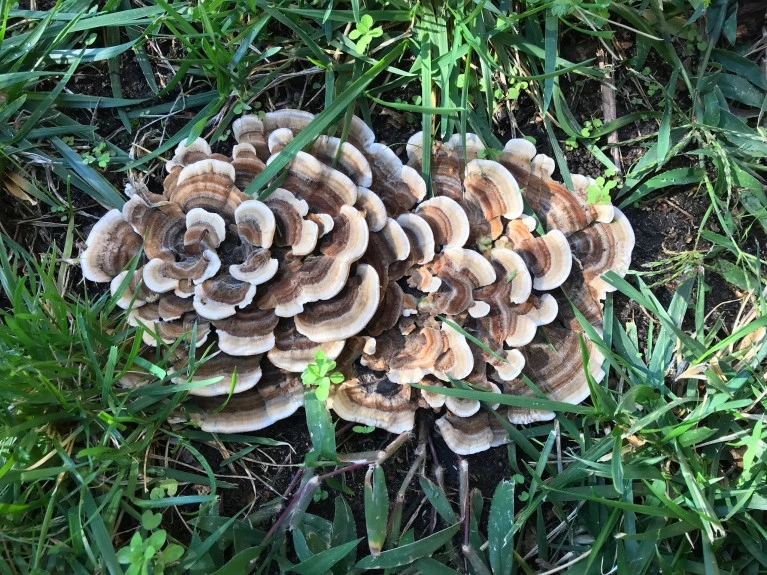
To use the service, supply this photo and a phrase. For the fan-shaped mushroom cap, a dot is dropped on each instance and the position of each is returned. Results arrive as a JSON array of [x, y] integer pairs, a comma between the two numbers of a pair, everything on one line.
[[135, 293], [373, 208], [257, 268], [246, 163], [345, 158], [387, 247], [162, 276], [494, 188], [110, 246], [278, 139], [554, 364], [171, 306], [420, 236], [220, 370], [388, 313], [162, 227], [183, 328], [324, 188], [406, 359], [602, 247], [247, 332], [208, 184], [461, 271], [457, 361], [347, 313], [399, 187], [325, 223], [197, 150], [255, 223], [548, 258], [447, 220], [468, 435], [291, 229], [277, 396], [512, 367], [360, 134], [540, 310], [293, 351], [250, 130], [294, 120], [375, 401], [204, 230], [219, 297], [323, 277], [555, 205], [515, 272]]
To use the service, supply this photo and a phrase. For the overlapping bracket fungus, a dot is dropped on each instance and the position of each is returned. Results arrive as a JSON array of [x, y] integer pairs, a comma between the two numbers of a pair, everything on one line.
[[350, 257]]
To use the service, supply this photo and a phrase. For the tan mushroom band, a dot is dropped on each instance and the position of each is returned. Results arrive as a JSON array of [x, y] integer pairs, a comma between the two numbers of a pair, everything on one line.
[[351, 256]]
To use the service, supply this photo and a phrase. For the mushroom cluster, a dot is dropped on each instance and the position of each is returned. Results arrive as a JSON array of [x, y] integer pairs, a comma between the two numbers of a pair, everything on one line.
[[351, 256]]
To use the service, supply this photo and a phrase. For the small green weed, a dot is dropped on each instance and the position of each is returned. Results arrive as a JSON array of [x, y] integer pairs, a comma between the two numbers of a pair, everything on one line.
[[320, 375]]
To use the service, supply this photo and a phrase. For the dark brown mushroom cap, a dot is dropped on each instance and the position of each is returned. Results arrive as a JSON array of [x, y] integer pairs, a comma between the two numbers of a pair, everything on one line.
[[346, 314], [277, 396], [389, 311], [171, 306], [290, 227], [188, 326], [218, 297], [187, 154], [163, 276], [247, 165], [250, 130], [247, 332], [293, 351], [375, 401], [111, 244], [323, 188], [399, 187], [204, 231], [162, 227], [220, 371], [207, 184], [552, 202], [553, 363], [385, 248], [461, 271], [406, 359], [602, 247], [468, 435]]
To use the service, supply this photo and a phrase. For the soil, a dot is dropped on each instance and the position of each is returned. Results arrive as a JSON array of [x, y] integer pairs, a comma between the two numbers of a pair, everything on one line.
[[664, 224]]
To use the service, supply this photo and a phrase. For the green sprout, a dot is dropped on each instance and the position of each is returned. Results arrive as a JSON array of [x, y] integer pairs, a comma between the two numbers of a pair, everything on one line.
[[363, 429], [364, 33], [99, 155], [599, 191], [320, 374]]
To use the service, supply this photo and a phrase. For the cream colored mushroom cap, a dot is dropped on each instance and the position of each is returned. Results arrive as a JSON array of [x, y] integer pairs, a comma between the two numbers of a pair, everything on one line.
[[321, 324]]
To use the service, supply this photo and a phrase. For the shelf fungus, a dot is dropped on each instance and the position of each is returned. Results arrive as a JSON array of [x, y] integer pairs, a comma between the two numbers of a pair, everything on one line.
[[414, 294]]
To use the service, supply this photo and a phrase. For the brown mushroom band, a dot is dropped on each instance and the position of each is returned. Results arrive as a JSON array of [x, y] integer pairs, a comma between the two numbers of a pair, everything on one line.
[[350, 256]]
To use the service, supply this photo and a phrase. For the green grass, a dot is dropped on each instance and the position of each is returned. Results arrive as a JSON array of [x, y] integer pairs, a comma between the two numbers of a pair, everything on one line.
[[664, 470]]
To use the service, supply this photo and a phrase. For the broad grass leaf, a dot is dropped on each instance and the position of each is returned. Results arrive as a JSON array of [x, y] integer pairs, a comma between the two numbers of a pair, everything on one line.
[[408, 553], [376, 508], [500, 542]]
